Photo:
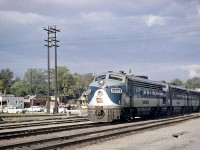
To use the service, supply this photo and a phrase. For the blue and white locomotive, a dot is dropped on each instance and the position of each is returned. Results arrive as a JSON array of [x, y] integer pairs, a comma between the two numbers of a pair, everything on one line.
[[114, 96]]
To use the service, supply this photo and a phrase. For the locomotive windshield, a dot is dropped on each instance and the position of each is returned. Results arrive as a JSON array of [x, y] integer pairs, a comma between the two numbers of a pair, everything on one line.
[[102, 77], [110, 76], [115, 77]]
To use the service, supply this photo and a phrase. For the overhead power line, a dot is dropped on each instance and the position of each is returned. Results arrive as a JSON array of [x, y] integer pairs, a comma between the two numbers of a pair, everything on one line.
[[135, 36], [97, 35], [102, 23]]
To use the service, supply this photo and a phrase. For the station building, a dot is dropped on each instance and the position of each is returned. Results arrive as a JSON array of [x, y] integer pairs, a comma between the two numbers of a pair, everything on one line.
[[11, 100]]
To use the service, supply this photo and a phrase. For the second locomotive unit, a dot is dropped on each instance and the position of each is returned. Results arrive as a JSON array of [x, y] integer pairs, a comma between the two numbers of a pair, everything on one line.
[[114, 96]]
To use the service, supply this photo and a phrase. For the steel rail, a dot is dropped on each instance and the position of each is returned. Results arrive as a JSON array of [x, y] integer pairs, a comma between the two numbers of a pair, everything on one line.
[[42, 130], [42, 123]]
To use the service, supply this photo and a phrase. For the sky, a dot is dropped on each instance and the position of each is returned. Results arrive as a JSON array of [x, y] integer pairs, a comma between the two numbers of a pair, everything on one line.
[[156, 38]]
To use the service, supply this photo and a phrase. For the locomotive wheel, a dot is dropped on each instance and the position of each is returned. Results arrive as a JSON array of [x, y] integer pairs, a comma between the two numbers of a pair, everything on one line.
[[154, 112], [182, 110], [168, 112], [133, 112], [126, 114]]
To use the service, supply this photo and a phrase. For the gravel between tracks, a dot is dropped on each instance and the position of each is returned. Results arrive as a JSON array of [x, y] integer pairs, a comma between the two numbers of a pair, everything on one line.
[[164, 138]]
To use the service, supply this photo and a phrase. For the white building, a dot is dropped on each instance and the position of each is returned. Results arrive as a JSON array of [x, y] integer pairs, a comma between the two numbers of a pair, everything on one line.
[[198, 89], [11, 100]]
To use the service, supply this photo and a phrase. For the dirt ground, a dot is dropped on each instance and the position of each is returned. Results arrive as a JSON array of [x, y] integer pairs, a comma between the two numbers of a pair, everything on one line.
[[183, 136]]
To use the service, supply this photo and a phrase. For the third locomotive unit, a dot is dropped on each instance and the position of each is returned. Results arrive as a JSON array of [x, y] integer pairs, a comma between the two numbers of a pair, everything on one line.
[[117, 96]]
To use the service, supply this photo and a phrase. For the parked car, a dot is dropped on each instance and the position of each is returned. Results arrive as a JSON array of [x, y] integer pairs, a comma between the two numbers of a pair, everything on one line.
[[35, 109], [13, 109], [61, 109], [1, 110]]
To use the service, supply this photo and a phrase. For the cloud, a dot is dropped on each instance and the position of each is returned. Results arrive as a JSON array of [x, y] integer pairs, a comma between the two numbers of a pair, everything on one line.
[[198, 12], [105, 35], [96, 16], [16, 17], [168, 71], [193, 70], [68, 2], [154, 20]]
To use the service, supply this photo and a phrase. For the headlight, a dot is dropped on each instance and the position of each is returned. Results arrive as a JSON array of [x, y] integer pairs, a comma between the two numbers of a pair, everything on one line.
[[100, 93], [101, 82]]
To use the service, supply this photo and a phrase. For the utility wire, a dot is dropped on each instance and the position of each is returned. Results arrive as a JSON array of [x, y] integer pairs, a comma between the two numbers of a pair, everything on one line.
[[103, 23], [97, 35]]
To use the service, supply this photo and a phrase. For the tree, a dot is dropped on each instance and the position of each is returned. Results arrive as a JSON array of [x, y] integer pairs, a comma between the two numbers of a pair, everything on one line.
[[177, 82], [79, 84], [66, 82], [1, 86], [6, 77], [20, 88], [36, 82], [70, 84], [87, 78], [193, 83], [33, 83]]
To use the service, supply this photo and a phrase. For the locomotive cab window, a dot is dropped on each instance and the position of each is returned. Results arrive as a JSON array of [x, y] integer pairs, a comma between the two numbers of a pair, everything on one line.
[[102, 77], [115, 77]]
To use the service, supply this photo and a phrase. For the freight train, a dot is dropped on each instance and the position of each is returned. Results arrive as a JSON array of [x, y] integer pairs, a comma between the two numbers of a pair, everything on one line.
[[118, 96]]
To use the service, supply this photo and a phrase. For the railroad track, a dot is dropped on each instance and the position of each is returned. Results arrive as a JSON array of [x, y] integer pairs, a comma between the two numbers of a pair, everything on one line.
[[33, 131], [92, 135], [41, 123], [25, 119]]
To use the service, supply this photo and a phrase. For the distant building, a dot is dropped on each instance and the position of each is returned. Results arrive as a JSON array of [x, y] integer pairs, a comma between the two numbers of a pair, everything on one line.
[[52, 101], [198, 89], [37, 101], [11, 100], [84, 98]]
